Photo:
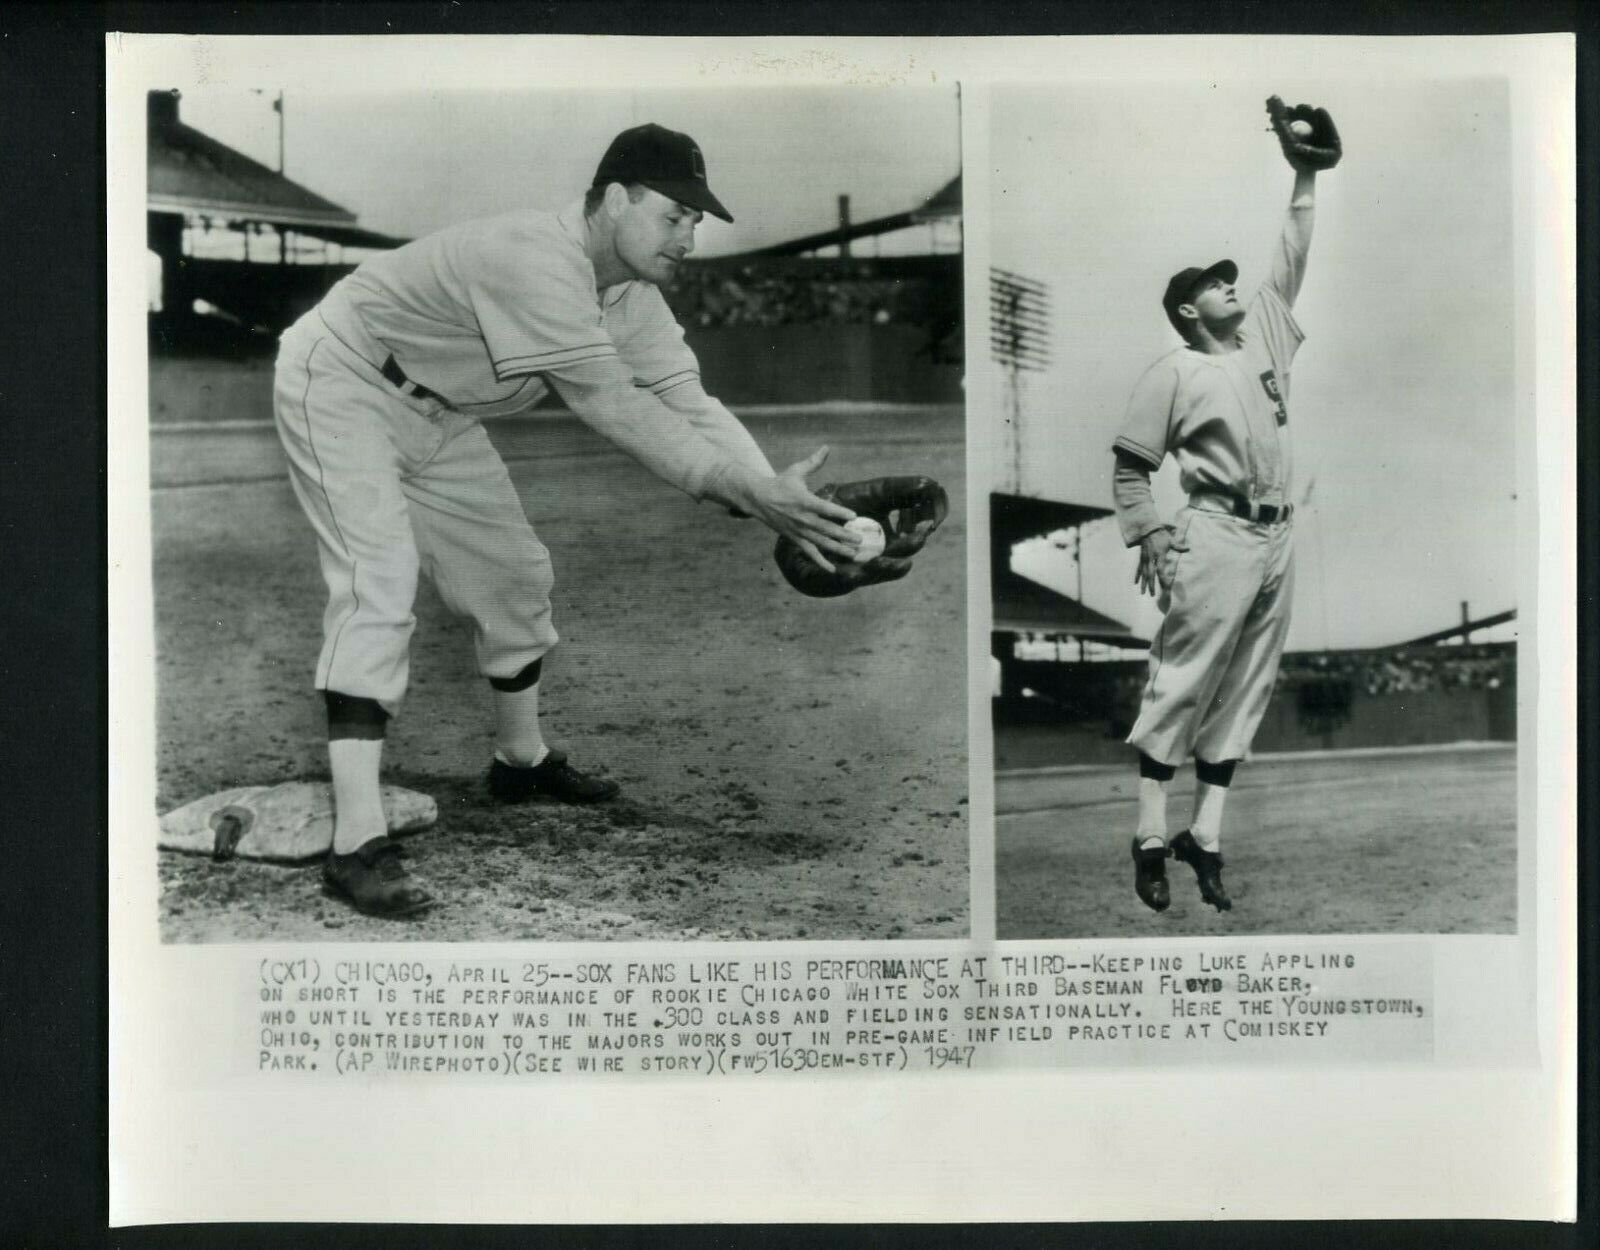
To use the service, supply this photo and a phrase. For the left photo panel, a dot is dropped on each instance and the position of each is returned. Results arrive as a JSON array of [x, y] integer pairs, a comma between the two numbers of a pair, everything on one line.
[[556, 510]]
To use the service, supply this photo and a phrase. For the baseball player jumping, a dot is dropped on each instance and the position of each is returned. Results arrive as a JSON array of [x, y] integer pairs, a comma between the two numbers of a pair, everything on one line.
[[378, 397], [1223, 569]]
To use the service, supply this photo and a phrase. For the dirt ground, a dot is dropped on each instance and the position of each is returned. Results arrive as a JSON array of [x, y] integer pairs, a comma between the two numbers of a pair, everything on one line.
[[791, 768], [1391, 842]]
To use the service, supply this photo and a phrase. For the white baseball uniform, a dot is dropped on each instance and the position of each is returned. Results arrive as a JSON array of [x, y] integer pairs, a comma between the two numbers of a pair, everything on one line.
[[378, 395], [1229, 578]]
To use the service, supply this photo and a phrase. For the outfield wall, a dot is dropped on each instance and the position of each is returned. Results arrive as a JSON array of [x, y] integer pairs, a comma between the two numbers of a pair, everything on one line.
[[202, 389], [803, 364], [1081, 713], [1399, 718], [744, 364]]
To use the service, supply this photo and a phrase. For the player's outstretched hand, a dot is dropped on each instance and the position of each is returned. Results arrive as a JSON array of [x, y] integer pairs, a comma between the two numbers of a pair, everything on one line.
[[784, 503], [907, 510], [1153, 574]]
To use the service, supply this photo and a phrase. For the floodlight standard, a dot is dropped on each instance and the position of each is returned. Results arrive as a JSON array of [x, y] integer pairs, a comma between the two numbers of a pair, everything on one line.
[[1019, 339]]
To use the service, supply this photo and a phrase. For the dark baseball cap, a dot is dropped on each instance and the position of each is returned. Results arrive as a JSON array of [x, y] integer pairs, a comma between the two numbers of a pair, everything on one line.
[[1185, 282], [663, 160]]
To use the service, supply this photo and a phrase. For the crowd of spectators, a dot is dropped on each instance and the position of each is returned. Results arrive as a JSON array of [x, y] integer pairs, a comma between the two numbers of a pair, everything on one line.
[[1406, 670], [764, 295], [703, 295], [1374, 673]]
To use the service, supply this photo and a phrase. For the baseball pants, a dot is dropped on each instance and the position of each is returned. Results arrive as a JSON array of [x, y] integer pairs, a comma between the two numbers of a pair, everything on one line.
[[1214, 660], [395, 485]]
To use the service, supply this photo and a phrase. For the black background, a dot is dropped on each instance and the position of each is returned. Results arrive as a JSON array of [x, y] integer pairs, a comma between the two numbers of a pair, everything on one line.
[[53, 646]]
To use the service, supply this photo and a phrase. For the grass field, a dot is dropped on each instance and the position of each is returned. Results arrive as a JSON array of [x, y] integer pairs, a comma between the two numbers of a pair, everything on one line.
[[1386, 842], [791, 767]]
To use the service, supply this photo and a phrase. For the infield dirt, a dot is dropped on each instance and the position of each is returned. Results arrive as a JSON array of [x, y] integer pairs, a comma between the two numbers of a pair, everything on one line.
[[791, 768], [1404, 841]]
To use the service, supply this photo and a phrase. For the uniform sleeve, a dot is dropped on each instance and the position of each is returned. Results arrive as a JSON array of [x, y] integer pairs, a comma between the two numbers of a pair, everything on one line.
[[1133, 499], [1270, 310], [653, 345], [1278, 330], [1146, 431], [717, 425], [663, 363], [660, 438], [532, 292], [1288, 267]]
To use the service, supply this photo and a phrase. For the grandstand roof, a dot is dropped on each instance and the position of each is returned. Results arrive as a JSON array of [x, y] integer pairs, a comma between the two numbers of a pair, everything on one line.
[[1024, 606], [1463, 630], [190, 172], [1019, 517], [943, 205]]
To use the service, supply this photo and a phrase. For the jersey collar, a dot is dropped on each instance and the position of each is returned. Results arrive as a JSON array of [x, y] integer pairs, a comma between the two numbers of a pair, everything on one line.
[[571, 221]]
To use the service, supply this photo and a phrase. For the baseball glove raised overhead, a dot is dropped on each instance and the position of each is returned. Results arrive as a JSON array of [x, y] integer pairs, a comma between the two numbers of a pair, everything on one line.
[[908, 508], [1316, 150]]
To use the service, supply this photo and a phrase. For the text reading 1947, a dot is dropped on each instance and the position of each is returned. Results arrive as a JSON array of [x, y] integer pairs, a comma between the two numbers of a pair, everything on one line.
[[968, 1009]]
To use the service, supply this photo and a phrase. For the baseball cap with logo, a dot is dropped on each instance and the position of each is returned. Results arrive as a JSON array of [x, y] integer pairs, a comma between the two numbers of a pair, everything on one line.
[[1185, 282], [663, 160]]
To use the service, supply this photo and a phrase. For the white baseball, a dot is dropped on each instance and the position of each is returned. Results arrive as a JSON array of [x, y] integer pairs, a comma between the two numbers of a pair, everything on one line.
[[1300, 129], [872, 540]]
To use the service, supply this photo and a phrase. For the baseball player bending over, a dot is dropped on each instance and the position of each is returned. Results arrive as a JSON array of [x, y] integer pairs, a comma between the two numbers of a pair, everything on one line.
[[1223, 569], [378, 397]]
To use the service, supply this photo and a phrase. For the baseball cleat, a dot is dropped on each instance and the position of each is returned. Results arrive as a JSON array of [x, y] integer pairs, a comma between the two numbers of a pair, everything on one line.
[[1150, 876], [374, 881], [551, 778], [1207, 867]]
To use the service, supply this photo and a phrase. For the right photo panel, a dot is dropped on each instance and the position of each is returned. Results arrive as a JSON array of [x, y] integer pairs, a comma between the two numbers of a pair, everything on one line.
[[1253, 541]]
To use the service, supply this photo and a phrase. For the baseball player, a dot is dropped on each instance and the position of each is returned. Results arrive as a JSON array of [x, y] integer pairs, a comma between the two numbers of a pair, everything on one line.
[[378, 397], [1223, 568]]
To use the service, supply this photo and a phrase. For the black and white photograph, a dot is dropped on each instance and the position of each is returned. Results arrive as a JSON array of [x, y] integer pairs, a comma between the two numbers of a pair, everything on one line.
[[1254, 523], [557, 513], [881, 612]]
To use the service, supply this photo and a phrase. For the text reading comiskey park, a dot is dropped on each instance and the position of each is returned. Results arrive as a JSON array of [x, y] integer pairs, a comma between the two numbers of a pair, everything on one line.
[[526, 1018]]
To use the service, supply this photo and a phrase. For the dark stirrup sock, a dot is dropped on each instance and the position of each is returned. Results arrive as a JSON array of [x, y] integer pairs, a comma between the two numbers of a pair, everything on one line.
[[350, 716], [1154, 769], [1214, 774], [529, 676]]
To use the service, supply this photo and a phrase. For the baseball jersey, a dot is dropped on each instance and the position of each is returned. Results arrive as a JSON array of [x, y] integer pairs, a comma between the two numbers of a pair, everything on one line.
[[486, 313], [1225, 418]]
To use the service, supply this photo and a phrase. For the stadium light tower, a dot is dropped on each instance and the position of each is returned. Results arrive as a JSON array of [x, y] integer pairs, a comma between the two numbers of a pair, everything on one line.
[[277, 107], [1019, 340]]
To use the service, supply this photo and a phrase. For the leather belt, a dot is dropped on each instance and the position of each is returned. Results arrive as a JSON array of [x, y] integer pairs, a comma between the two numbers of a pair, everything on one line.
[[396, 377], [1266, 513]]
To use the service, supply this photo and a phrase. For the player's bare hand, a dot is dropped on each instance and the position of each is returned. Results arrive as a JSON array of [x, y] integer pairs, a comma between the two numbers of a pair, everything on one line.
[[785, 503], [1154, 574]]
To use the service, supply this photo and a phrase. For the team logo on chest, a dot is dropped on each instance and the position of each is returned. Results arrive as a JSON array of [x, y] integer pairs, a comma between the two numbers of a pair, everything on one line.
[[1269, 383]]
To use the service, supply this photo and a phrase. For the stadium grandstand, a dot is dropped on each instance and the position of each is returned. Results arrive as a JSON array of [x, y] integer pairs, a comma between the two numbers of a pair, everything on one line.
[[864, 311], [1446, 686]]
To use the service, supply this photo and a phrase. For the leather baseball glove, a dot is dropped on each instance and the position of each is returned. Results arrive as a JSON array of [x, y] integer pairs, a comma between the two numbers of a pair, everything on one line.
[[908, 508], [1321, 149]]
